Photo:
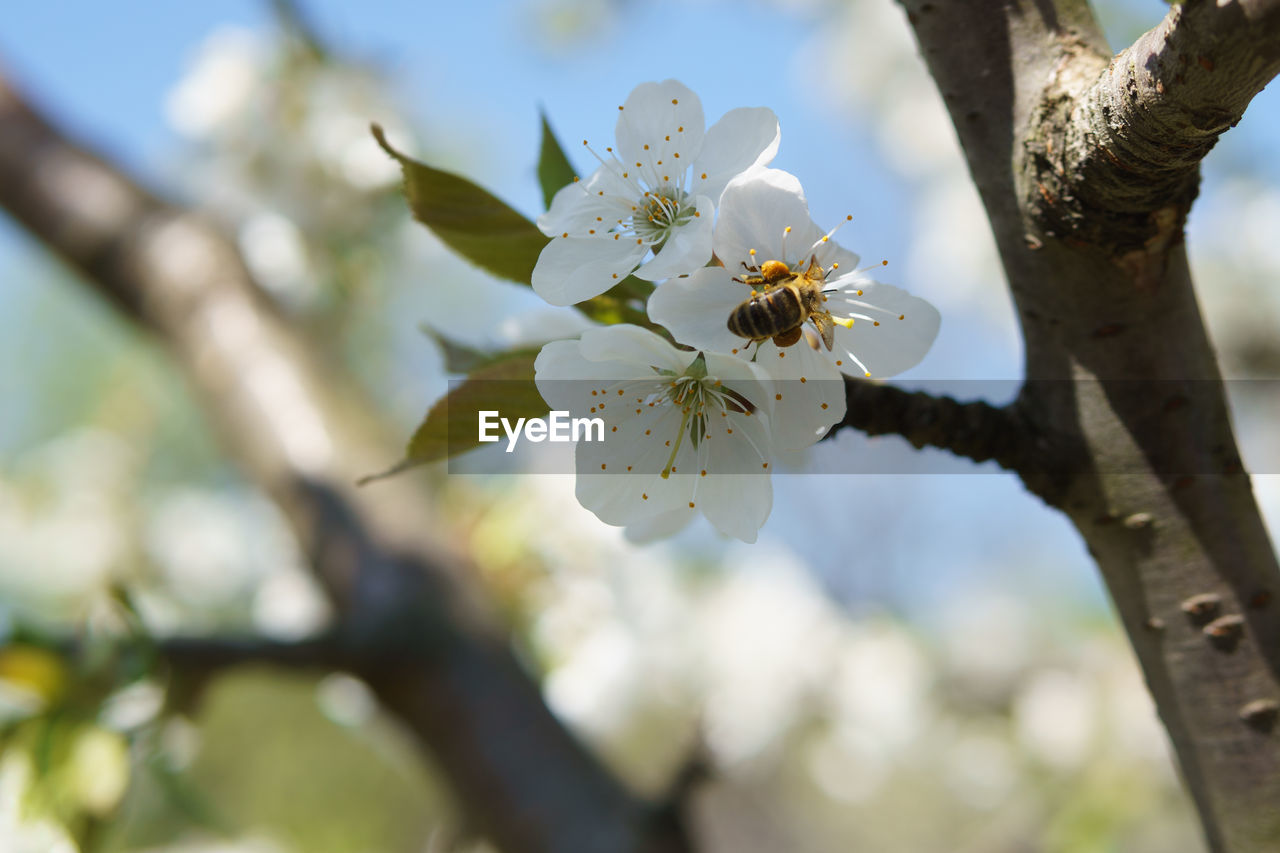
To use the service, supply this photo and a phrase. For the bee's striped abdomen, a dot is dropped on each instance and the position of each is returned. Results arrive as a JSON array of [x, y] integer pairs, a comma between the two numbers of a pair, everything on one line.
[[767, 314]]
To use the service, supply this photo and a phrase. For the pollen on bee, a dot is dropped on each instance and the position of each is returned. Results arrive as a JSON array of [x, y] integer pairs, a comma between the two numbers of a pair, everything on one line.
[[902, 316], [848, 217], [643, 495], [637, 411], [591, 230], [859, 292], [781, 354], [603, 466], [875, 322], [824, 405], [593, 394], [646, 432], [868, 373], [619, 108], [666, 177], [704, 472], [697, 214], [668, 138], [638, 241], [735, 350], [668, 442], [565, 234], [704, 176], [675, 100], [775, 396], [835, 266], [839, 362], [593, 408], [615, 275], [628, 467], [677, 153], [615, 429], [690, 504], [803, 380], [786, 230], [680, 129], [766, 465], [729, 432], [646, 148]]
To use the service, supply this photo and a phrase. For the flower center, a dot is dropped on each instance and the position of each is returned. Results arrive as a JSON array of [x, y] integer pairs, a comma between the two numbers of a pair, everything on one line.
[[663, 211], [697, 395]]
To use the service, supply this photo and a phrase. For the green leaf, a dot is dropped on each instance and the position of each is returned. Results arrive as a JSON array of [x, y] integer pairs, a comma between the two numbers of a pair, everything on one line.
[[452, 425], [473, 222], [554, 168], [461, 358], [484, 230]]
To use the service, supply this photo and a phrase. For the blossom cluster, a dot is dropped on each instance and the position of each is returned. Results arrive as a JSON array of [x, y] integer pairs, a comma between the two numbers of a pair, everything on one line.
[[763, 312]]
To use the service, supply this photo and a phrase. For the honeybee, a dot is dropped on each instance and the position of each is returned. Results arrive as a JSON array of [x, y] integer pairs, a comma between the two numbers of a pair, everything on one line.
[[781, 301]]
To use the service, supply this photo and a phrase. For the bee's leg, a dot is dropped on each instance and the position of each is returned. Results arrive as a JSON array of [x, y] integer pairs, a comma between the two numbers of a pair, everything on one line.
[[788, 338]]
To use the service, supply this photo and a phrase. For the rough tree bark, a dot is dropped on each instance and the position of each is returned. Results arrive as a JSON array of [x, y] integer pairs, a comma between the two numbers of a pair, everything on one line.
[[409, 621], [1087, 166]]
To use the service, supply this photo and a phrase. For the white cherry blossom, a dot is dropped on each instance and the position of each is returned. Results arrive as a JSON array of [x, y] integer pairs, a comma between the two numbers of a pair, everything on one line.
[[863, 328], [684, 432], [649, 207]]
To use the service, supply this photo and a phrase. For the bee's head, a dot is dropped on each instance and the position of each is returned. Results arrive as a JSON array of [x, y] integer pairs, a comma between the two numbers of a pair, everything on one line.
[[774, 271]]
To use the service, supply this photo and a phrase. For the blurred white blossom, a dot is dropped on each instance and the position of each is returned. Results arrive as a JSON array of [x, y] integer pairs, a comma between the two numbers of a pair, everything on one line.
[[220, 83]]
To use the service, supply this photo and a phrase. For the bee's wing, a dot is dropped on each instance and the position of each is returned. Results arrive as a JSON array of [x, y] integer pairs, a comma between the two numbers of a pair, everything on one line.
[[822, 320]]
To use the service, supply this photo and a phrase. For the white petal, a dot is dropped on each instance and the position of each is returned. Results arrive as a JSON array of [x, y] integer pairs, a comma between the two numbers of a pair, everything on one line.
[[572, 269], [737, 494], [695, 309], [808, 392], [893, 346], [830, 252], [662, 526], [630, 486], [668, 118], [632, 344], [687, 249], [755, 211], [742, 139], [566, 379], [576, 205], [745, 378]]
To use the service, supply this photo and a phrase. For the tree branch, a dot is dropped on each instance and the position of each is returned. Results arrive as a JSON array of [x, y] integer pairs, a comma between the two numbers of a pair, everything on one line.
[[301, 431], [976, 430], [1117, 164], [1098, 273]]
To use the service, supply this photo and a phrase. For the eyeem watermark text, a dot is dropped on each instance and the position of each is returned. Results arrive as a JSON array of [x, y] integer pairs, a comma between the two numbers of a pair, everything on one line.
[[558, 427]]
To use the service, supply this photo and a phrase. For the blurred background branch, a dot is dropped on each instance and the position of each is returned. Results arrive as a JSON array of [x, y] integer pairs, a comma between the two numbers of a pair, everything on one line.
[[435, 659]]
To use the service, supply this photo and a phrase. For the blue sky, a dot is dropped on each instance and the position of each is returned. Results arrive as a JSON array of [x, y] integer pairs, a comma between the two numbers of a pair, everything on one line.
[[474, 79]]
